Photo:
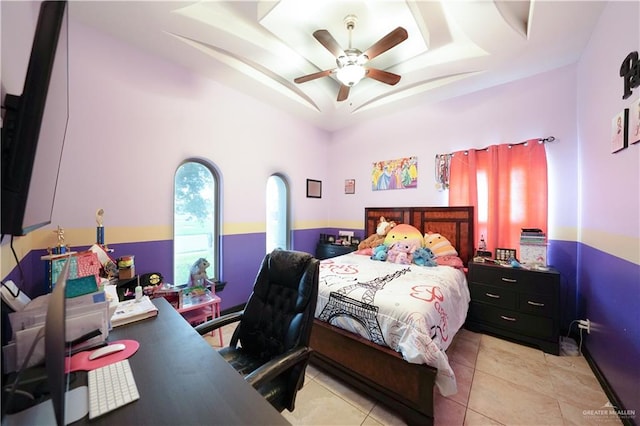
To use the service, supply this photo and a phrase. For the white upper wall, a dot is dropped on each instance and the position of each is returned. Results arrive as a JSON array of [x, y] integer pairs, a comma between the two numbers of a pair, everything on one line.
[[610, 205], [539, 106], [134, 118]]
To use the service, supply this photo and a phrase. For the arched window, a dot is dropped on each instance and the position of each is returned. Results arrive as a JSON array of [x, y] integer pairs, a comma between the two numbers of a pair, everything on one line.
[[278, 228], [196, 209]]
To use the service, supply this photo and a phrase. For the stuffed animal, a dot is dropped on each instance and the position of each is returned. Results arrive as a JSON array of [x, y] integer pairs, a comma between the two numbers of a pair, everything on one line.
[[198, 273], [376, 239], [401, 252], [424, 257], [404, 233], [379, 253], [439, 245]]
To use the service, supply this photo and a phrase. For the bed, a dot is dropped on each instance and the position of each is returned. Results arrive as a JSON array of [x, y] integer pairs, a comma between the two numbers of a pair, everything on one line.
[[372, 366]]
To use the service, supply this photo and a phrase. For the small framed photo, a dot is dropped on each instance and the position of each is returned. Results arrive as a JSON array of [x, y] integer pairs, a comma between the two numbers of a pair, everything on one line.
[[350, 186], [619, 134], [504, 254], [314, 188], [634, 122]]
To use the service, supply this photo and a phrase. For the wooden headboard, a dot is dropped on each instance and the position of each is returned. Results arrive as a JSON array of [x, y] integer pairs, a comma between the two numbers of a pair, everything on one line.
[[454, 223]]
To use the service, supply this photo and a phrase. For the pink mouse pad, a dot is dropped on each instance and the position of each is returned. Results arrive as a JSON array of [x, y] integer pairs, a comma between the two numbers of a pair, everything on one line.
[[81, 361]]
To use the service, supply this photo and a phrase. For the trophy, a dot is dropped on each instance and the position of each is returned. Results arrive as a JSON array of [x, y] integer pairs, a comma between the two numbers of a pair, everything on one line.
[[100, 227]]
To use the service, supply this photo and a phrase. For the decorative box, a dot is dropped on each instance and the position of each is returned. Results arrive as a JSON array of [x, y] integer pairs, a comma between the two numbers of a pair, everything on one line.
[[533, 254]]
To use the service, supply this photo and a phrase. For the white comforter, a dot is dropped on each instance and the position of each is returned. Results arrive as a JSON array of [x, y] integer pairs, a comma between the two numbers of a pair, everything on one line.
[[415, 310]]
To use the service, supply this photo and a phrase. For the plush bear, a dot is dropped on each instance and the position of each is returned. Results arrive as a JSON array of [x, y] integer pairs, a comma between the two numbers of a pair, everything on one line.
[[401, 252], [439, 245], [380, 253], [376, 239], [424, 257]]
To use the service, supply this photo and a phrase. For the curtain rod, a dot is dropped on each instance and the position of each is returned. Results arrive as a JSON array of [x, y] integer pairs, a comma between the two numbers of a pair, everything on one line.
[[541, 140]]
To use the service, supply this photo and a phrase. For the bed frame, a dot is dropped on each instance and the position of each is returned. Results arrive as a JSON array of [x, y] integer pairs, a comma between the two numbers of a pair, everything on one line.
[[379, 371]]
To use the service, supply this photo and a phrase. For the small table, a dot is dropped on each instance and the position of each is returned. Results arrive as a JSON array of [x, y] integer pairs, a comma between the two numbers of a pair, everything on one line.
[[200, 308]]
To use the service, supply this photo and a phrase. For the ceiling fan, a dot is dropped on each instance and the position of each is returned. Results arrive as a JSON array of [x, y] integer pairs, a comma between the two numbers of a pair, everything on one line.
[[351, 62]]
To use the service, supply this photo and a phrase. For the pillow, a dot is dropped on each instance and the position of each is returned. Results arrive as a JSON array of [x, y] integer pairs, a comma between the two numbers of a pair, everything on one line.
[[404, 233], [439, 245]]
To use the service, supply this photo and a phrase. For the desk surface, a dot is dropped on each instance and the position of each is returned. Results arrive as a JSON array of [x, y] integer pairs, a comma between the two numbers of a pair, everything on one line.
[[182, 380]]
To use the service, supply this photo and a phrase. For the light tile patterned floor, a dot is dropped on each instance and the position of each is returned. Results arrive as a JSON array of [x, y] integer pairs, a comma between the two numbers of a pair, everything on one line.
[[499, 383]]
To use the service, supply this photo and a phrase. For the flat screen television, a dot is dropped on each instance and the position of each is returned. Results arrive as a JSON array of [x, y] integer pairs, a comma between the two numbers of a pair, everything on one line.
[[34, 126]]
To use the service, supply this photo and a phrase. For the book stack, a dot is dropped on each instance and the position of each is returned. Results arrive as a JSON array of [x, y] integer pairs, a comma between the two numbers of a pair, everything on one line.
[[533, 236], [533, 246]]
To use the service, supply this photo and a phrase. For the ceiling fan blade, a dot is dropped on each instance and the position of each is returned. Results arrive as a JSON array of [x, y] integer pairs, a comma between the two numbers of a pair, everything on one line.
[[330, 43], [313, 76], [383, 76], [392, 39], [343, 94]]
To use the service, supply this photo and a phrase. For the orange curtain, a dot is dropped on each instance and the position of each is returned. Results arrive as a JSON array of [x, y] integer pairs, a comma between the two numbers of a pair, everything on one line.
[[507, 185]]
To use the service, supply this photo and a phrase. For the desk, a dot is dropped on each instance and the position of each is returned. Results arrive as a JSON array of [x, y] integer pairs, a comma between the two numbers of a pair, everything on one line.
[[182, 380], [199, 308]]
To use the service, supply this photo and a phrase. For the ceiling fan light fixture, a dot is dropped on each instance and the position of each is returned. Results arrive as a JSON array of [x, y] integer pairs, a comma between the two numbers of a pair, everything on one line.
[[351, 74]]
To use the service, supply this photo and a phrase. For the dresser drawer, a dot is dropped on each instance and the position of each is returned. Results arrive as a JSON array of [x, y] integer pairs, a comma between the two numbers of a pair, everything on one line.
[[525, 324], [516, 279], [537, 304], [497, 296]]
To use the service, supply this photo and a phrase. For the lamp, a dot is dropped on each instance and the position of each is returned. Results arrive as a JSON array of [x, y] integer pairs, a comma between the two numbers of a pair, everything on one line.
[[350, 67], [351, 74]]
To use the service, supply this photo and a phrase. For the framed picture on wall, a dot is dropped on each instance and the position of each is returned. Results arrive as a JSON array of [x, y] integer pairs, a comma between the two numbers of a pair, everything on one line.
[[350, 186], [314, 188], [634, 122], [619, 135]]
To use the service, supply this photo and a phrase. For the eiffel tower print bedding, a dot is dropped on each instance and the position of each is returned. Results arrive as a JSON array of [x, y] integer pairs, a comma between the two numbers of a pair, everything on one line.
[[414, 310]]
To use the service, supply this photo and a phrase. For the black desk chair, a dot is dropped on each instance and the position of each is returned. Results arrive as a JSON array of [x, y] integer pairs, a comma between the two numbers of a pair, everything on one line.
[[274, 327]]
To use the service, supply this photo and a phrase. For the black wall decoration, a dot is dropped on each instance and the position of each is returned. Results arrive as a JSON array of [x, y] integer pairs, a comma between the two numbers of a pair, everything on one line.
[[630, 72]]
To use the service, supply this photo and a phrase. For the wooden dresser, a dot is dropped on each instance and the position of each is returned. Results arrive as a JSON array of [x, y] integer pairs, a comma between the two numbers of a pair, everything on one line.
[[327, 250], [517, 304]]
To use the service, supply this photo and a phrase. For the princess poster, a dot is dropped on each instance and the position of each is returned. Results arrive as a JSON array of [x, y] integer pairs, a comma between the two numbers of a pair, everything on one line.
[[395, 174]]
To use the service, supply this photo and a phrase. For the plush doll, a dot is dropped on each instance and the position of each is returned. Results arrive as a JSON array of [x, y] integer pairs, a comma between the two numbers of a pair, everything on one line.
[[379, 253], [198, 273], [402, 252], [439, 245], [424, 257], [378, 238]]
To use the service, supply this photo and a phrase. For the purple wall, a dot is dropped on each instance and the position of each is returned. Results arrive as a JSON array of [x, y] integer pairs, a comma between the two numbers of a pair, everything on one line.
[[609, 294]]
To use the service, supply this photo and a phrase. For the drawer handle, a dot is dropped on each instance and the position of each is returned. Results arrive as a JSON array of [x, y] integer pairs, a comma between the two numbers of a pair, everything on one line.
[[535, 303], [494, 296], [509, 280], [508, 318]]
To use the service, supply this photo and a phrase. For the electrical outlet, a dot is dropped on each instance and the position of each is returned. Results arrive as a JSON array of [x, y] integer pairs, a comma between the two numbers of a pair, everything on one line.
[[345, 233], [585, 325]]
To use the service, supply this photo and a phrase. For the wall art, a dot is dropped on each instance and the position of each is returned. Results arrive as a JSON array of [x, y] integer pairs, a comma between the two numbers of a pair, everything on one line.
[[619, 131], [401, 173], [314, 188], [634, 122], [350, 186]]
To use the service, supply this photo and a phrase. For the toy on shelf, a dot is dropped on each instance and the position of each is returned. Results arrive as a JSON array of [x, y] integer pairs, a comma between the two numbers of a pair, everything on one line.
[[198, 273]]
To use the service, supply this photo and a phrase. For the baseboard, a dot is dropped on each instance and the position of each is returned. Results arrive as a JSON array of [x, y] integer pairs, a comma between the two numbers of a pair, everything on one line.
[[608, 390]]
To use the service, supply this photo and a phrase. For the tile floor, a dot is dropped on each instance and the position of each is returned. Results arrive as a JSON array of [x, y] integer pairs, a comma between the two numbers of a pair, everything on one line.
[[499, 383]]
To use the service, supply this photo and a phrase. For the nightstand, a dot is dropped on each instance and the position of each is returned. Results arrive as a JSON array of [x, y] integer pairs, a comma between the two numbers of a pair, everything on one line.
[[517, 304], [327, 250]]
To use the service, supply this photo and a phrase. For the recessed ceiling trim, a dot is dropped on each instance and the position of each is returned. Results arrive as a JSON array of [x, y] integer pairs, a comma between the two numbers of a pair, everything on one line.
[[252, 69], [413, 89]]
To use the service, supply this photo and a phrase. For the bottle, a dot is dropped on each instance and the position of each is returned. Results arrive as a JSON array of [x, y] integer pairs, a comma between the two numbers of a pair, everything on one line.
[[482, 245], [138, 290]]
